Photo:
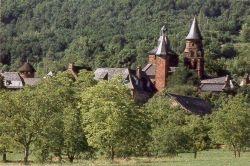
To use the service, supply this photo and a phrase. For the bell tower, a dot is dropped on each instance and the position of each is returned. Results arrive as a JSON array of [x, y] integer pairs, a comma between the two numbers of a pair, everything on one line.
[[161, 61], [193, 53]]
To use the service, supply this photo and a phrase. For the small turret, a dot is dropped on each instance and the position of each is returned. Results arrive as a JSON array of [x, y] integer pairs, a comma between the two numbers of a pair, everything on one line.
[[194, 32], [163, 47], [193, 53], [27, 70], [161, 61]]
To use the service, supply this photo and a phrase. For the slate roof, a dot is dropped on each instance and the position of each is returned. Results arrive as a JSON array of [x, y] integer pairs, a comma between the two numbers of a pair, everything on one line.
[[192, 104], [27, 67], [218, 84], [194, 32], [212, 87], [218, 80], [12, 80], [129, 76], [100, 73], [162, 48], [12, 76], [149, 69]]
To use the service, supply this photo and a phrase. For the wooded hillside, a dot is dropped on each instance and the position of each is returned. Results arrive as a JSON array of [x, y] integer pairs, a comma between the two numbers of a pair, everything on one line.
[[100, 33]]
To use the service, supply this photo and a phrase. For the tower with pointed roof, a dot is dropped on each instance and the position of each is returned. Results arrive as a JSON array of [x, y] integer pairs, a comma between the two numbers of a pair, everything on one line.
[[161, 61], [193, 53]]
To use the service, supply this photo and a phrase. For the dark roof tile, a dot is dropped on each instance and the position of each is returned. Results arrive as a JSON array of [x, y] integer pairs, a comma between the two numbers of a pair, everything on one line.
[[194, 32], [192, 104]]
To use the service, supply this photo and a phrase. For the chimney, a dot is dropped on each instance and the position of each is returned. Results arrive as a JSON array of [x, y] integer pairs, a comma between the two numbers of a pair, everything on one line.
[[138, 72], [227, 86], [227, 79]]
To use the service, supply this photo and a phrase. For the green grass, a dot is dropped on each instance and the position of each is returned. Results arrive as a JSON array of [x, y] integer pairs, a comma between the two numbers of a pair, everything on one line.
[[205, 158]]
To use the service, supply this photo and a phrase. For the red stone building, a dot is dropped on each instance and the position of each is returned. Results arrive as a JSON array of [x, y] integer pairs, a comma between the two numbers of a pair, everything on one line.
[[193, 53]]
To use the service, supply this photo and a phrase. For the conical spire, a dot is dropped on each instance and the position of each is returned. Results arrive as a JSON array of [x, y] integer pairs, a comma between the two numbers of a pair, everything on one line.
[[162, 48], [194, 33]]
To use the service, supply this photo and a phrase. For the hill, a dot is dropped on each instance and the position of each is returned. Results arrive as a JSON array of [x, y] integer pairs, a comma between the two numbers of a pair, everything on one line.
[[52, 33]]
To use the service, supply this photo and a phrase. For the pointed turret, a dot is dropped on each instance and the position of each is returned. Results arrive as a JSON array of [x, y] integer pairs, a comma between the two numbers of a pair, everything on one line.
[[193, 53], [162, 48], [194, 32]]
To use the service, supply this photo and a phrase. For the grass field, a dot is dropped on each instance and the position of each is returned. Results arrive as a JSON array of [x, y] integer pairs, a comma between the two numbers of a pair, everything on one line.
[[205, 158]]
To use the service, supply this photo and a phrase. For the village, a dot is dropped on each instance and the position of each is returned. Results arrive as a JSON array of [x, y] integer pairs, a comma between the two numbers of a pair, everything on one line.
[[145, 82], [131, 82]]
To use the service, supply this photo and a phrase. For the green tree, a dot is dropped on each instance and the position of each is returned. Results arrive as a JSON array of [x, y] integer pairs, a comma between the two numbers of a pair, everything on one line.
[[167, 134], [6, 141], [30, 111], [75, 141], [245, 33], [196, 129], [111, 120], [230, 125]]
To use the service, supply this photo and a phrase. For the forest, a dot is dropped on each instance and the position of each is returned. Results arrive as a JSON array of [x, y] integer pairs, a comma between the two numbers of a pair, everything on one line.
[[84, 119], [109, 33]]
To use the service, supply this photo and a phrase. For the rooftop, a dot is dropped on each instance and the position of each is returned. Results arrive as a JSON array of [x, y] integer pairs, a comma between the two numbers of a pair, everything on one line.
[[27, 67], [192, 104], [194, 32]]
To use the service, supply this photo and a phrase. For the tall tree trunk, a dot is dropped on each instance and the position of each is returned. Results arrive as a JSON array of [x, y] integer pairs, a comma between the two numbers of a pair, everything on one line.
[[26, 154], [4, 157], [112, 155], [238, 150], [60, 158], [234, 148], [235, 153], [195, 154], [71, 158]]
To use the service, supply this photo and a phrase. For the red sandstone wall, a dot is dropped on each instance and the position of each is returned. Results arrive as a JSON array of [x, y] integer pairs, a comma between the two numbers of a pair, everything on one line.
[[161, 72]]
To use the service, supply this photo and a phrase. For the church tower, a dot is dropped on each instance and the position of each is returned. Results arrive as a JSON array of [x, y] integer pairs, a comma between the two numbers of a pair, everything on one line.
[[193, 53], [161, 61]]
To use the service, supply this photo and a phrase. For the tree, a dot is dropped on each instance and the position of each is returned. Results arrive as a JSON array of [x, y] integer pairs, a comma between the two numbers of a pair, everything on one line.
[[30, 111], [167, 134], [228, 51], [6, 141], [230, 125], [75, 140], [196, 129], [111, 120], [245, 33]]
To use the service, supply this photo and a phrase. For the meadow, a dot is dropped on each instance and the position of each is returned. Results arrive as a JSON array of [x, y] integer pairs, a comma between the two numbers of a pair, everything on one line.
[[204, 158]]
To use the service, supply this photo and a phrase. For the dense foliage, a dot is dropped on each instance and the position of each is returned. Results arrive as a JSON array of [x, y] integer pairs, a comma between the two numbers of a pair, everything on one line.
[[99, 33], [62, 117]]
